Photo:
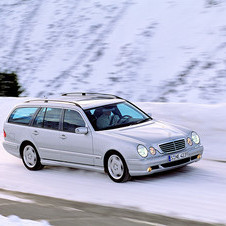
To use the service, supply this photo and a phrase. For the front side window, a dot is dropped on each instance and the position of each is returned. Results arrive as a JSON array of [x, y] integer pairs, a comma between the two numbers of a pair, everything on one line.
[[52, 118], [72, 120], [22, 115], [115, 116]]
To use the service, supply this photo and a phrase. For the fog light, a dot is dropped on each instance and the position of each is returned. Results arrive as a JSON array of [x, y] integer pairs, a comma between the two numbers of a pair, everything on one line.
[[199, 156], [149, 169]]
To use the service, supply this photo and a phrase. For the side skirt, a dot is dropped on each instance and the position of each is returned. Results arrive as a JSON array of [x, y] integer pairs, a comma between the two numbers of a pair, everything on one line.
[[47, 162]]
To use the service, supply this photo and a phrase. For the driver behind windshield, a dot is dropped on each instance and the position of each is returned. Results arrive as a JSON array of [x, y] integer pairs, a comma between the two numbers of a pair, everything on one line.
[[107, 119], [115, 115]]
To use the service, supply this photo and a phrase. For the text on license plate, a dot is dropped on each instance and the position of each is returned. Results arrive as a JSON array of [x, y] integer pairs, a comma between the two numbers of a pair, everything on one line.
[[177, 156]]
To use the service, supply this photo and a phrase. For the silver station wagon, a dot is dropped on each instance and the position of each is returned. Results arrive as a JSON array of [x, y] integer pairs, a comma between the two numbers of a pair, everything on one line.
[[98, 132]]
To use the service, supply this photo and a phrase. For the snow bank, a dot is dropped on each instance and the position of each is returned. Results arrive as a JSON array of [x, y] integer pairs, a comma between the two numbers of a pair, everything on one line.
[[16, 221]]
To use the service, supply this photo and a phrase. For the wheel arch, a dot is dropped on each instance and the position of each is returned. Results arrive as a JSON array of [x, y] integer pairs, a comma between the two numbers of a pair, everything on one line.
[[23, 144], [108, 153]]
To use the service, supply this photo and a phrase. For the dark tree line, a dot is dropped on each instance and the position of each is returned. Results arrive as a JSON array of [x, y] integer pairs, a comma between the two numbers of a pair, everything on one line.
[[9, 85]]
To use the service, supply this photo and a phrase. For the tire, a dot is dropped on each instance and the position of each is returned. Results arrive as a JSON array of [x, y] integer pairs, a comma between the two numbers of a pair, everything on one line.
[[117, 169], [31, 158]]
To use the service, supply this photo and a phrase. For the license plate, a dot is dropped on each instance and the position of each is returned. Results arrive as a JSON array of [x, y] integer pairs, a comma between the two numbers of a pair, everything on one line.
[[177, 156]]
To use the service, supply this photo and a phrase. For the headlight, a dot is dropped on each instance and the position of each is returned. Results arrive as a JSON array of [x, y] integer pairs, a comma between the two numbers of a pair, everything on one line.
[[195, 137], [142, 151]]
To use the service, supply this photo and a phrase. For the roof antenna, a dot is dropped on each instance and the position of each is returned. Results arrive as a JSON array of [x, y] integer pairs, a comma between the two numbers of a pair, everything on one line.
[[45, 99]]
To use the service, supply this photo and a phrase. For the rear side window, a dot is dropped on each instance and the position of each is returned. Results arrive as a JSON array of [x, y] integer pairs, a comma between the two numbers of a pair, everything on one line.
[[22, 115], [52, 118]]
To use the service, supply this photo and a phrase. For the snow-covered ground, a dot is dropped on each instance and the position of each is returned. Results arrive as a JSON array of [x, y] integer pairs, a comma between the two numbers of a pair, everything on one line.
[[194, 192], [16, 221], [144, 50]]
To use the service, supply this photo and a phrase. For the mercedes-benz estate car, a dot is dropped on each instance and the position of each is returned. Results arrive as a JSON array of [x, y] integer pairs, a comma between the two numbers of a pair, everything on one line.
[[98, 132]]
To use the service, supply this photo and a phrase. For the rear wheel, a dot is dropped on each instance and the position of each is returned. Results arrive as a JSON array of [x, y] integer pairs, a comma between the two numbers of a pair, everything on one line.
[[31, 158], [117, 168]]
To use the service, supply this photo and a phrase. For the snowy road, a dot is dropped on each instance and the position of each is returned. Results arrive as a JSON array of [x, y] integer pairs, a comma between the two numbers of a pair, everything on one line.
[[195, 192], [60, 212]]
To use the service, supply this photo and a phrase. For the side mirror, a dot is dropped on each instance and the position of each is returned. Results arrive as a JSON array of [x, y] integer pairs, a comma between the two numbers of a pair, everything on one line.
[[81, 130]]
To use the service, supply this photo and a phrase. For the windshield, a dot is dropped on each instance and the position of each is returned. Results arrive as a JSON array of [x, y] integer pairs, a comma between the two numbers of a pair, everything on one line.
[[115, 116]]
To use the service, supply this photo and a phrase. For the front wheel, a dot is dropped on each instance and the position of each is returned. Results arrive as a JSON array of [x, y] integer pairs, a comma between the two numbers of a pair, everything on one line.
[[31, 158], [117, 168]]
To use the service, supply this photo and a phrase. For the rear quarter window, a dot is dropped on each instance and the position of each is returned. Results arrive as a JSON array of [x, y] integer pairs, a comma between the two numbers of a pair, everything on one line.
[[22, 115]]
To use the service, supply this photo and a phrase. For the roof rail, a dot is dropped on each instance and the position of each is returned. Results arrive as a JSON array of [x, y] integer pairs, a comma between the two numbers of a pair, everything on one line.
[[94, 95], [60, 101]]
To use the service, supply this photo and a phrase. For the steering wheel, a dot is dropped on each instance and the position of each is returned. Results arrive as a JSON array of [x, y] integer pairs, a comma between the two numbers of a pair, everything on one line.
[[125, 117]]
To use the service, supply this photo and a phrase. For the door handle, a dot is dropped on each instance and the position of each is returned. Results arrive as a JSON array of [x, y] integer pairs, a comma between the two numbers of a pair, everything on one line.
[[63, 136], [35, 132]]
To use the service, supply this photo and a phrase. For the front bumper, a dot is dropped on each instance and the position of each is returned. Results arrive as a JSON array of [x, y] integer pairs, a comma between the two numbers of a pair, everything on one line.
[[141, 167]]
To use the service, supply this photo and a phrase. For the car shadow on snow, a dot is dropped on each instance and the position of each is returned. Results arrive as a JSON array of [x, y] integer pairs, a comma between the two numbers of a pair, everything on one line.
[[186, 172], [70, 171]]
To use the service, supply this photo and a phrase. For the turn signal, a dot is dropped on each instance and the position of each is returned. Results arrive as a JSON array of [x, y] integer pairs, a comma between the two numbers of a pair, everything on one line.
[[199, 156], [189, 141], [152, 150], [149, 169]]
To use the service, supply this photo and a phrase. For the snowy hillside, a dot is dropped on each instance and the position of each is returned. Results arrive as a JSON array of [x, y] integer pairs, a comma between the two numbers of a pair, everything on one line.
[[144, 50]]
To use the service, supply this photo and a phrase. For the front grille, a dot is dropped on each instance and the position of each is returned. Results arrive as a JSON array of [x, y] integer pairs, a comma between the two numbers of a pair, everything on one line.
[[173, 145]]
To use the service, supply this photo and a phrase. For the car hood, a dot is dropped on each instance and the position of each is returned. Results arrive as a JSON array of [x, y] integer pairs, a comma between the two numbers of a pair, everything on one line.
[[151, 132]]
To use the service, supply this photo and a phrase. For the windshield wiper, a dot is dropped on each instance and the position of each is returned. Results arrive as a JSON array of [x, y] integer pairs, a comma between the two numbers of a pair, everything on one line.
[[137, 122], [143, 120]]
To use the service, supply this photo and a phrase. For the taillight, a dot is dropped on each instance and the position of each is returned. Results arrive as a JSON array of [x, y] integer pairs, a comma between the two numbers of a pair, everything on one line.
[[4, 133]]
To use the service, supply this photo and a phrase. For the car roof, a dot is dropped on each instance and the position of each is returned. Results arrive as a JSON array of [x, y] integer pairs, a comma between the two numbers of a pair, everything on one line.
[[82, 100], [88, 104]]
